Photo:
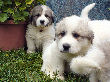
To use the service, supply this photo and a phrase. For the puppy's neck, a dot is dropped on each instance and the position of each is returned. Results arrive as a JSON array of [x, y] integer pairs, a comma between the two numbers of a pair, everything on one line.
[[40, 28], [43, 28]]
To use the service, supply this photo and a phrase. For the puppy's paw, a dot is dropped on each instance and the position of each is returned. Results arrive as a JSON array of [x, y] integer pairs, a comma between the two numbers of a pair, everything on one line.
[[61, 77], [52, 74], [83, 66], [29, 51]]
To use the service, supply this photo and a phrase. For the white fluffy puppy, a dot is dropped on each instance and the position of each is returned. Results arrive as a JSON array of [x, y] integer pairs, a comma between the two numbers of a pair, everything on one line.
[[70, 42], [97, 60], [40, 32]]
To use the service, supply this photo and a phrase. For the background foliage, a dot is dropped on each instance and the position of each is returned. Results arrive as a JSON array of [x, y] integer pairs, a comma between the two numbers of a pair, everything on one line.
[[17, 10]]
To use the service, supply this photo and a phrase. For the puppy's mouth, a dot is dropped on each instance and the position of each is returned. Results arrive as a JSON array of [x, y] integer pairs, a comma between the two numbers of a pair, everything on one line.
[[47, 25], [42, 26], [64, 51]]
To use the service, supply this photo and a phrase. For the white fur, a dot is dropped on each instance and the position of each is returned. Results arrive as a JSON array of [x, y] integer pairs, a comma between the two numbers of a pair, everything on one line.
[[35, 38], [42, 17], [53, 56], [86, 10], [92, 62]]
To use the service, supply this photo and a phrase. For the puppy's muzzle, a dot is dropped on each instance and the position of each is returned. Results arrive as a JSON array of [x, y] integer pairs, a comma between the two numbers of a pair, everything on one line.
[[66, 47]]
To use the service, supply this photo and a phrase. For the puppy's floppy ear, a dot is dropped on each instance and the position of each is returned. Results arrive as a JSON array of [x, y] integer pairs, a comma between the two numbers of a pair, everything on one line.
[[55, 35], [91, 37], [90, 34], [31, 16], [85, 30], [53, 17]]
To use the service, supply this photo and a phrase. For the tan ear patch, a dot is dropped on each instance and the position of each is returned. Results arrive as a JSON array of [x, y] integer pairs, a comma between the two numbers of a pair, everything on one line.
[[84, 30]]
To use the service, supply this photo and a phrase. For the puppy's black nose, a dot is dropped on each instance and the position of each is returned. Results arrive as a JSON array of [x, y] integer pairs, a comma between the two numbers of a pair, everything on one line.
[[66, 47], [42, 21]]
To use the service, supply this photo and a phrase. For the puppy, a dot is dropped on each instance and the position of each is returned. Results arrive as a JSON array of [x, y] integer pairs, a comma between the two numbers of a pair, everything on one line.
[[40, 32], [70, 42], [96, 62]]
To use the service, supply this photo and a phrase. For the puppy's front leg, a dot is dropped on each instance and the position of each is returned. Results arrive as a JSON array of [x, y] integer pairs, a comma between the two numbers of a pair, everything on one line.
[[83, 65], [30, 44], [53, 64], [54, 67], [93, 77]]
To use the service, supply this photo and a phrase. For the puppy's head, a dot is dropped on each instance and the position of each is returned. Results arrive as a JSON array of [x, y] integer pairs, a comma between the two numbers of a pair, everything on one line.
[[41, 16], [73, 35]]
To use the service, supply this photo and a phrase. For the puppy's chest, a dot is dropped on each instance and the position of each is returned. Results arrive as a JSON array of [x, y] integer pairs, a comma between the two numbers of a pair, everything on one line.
[[68, 57], [41, 35], [38, 35]]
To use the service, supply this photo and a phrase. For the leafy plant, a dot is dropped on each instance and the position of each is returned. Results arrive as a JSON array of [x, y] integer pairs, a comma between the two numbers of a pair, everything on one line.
[[17, 10]]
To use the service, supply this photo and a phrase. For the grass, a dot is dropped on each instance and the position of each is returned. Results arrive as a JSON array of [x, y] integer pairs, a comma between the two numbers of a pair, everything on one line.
[[18, 66]]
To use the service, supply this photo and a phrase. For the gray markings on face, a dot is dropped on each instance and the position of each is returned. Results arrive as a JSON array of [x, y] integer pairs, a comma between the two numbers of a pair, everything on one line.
[[36, 10], [36, 13], [49, 16]]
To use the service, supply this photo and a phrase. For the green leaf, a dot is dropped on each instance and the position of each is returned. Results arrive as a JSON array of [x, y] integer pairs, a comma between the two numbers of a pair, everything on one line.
[[7, 1], [9, 10], [41, 1], [17, 3], [3, 17], [18, 17], [22, 8], [25, 13], [1, 2], [5, 9], [29, 1]]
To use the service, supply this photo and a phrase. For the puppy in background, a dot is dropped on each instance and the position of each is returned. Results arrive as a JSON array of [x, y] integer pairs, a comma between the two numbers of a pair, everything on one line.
[[40, 32]]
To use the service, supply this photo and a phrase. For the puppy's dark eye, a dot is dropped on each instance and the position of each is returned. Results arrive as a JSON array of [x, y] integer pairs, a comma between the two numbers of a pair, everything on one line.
[[37, 15], [62, 33], [46, 15], [76, 35]]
